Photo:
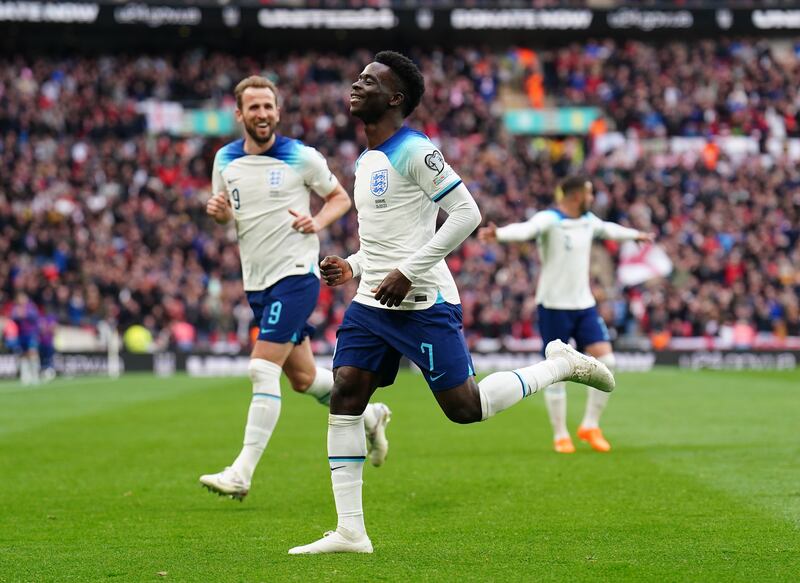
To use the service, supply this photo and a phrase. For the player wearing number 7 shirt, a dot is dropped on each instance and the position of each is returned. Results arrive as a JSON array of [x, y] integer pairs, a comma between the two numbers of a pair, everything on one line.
[[407, 303], [263, 183]]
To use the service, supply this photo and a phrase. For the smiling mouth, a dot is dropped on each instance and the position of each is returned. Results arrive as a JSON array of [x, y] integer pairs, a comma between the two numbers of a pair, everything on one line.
[[355, 98]]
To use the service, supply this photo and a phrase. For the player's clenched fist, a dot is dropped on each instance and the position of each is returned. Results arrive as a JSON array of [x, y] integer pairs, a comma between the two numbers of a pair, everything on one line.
[[335, 270], [393, 289], [488, 234], [218, 208]]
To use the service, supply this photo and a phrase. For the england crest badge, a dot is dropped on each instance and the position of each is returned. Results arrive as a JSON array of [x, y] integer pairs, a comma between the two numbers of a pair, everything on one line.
[[379, 182], [275, 178]]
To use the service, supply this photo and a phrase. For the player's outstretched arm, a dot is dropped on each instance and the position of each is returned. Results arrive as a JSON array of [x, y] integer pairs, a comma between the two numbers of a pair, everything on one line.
[[218, 208], [516, 232], [616, 232], [336, 204], [335, 270]]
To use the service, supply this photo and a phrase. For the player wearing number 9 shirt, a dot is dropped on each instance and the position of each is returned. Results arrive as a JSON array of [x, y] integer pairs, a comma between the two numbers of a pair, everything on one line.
[[263, 183]]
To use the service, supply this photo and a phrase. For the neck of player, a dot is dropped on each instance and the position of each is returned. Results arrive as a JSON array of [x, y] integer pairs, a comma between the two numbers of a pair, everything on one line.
[[254, 148], [381, 130], [573, 211]]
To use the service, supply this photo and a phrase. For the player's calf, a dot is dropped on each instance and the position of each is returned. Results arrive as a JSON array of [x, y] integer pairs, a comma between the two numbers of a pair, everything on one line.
[[461, 404]]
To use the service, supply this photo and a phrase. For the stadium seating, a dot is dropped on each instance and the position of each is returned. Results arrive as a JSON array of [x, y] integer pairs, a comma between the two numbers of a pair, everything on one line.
[[102, 219]]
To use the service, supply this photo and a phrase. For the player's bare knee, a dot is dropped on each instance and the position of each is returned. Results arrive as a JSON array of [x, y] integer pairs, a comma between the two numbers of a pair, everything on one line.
[[300, 380], [351, 392]]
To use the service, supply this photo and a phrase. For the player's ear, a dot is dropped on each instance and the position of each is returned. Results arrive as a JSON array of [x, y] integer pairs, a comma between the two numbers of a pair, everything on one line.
[[397, 99], [238, 115]]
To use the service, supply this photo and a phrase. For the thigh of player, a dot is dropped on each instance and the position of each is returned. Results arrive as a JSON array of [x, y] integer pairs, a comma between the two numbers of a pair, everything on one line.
[[591, 332], [363, 360], [281, 311], [374, 339], [433, 339], [556, 324]]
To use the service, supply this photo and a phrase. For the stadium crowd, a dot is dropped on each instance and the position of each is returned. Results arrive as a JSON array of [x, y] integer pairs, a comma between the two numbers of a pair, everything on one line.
[[102, 221]]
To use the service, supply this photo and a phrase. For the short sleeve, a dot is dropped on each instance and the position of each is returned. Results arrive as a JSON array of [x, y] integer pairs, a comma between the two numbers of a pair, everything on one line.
[[318, 177], [428, 168], [217, 182]]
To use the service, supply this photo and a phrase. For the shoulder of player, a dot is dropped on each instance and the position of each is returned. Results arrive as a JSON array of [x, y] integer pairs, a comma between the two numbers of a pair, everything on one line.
[[408, 148], [294, 152], [591, 218], [230, 152], [551, 216], [554, 215]]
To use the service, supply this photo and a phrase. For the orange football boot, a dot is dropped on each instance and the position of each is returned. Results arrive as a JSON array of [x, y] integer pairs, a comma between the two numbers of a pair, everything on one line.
[[594, 437], [564, 445]]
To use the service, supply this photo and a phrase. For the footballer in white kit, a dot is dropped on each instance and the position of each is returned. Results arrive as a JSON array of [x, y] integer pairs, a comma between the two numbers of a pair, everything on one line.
[[407, 303], [566, 306], [263, 182]]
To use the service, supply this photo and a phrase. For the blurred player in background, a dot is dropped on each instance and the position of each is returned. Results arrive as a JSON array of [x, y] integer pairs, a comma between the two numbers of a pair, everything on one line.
[[407, 303], [25, 315], [263, 182], [47, 349], [566, 307]]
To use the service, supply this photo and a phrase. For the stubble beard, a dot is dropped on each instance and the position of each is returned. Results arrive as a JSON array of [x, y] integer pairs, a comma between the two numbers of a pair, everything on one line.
[[253, 133]]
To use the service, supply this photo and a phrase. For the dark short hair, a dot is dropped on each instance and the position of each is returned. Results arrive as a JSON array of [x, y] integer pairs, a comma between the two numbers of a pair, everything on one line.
[[573, 184], [255, 82], [412, 84]]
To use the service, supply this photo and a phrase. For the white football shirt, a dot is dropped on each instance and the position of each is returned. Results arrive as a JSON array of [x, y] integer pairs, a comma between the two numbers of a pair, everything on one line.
[[262, 188], [565, 246], [397, 188]]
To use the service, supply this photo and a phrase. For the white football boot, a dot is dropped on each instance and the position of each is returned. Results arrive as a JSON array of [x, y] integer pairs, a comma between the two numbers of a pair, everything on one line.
[[377, 444], [585, 369], [341, 540], [226, 483]]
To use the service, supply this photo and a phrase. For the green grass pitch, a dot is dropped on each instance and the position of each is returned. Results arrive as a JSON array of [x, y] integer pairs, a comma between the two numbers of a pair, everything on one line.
[[99, 482]]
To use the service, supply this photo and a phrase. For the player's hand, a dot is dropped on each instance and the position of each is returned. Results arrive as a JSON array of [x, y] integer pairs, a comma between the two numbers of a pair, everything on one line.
[[304, 223], [643, 237], [218, 208], [335, 270], [488, 234], [393, 289]]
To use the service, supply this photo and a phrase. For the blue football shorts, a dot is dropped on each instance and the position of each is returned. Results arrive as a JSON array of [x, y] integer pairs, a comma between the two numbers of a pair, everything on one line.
[[585, 326], [282, 309], [374, 339]]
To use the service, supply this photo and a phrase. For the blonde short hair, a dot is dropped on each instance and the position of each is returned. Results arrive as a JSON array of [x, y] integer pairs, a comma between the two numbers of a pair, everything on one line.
[[255, 82]]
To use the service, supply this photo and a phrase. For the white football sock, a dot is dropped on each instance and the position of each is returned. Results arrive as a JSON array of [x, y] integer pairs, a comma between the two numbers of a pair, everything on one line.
[[24, 370], [265, 408], [320, 389], [347, 450], [36, 367], [555, 397], [501, 390], [596, 400]]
